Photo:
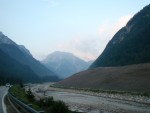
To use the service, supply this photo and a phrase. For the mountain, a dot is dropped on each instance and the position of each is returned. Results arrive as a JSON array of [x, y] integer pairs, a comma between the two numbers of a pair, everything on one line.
[[65, 64], [5, 40], [132, 78], [124, 64], [130, 45], [14, 72], [23, 56], [90, 62], [23, 49]]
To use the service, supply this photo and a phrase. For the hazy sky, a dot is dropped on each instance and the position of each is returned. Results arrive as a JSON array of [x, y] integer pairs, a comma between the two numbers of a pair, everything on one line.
[[82, 27]]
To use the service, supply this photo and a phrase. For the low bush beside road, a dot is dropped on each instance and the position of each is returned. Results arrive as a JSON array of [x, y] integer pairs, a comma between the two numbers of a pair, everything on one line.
[[24, 96]]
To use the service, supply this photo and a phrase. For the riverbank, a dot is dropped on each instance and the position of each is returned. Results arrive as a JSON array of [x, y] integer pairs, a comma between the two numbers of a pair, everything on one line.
[[95, 102]]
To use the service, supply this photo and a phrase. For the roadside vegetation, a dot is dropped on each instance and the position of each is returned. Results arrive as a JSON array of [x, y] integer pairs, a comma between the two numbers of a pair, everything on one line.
[[145, 94], [25, 96], [49, 105]]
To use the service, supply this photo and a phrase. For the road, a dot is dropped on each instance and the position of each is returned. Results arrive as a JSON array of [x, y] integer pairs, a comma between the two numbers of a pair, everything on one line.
[[93, 104], [3, 90]]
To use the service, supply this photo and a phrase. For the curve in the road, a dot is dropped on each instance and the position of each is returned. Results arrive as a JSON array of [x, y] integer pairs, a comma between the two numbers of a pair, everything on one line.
[[3, 92]]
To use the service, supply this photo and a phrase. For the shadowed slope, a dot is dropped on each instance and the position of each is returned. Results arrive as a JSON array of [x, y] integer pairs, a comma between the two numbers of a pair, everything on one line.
[[130, 45]]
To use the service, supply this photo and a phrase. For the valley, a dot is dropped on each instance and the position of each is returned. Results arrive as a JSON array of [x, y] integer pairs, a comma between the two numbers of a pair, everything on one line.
[[76, 64], [89, 102]]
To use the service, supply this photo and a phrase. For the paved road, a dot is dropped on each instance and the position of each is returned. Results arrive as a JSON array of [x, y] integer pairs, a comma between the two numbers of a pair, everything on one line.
[[3, 90]]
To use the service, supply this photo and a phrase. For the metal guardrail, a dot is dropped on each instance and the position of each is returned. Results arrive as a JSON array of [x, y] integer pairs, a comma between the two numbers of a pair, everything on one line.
[[21, 104]]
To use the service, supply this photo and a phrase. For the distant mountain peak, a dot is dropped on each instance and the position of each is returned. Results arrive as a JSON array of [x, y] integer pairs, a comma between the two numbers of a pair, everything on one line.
[[23, 48], [59, 56], [62, 53], [65, 64], [23, 56], [5, 40]]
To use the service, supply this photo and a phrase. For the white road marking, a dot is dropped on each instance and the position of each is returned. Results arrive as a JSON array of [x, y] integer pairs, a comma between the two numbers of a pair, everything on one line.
[[3, 105]]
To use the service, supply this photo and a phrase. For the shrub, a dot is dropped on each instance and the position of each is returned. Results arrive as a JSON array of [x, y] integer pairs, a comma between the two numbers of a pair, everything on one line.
[[58, 107], [29, 95]]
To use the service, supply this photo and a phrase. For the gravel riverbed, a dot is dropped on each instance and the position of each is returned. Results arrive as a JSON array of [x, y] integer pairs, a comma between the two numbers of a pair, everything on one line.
[[91, 102]]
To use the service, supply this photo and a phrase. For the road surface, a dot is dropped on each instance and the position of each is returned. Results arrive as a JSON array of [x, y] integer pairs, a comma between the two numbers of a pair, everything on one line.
[[3, 90]]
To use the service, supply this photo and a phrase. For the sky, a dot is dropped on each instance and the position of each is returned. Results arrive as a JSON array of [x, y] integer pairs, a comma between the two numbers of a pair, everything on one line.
[[81, 27]]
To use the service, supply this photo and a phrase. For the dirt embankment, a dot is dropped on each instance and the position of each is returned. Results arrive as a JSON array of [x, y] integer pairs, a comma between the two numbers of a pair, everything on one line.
[[135, 78]]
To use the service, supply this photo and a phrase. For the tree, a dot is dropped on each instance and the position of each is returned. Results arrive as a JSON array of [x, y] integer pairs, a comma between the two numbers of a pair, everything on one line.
[[30, 95]]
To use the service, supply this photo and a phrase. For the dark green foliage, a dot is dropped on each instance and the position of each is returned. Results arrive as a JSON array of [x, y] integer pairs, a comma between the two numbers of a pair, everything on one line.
[[19, 93], [14, 72], [21, 85], [29, 95], [20, 64], [130, 45], [24, 96], [11, 80], [16, 67], [46, 102], [14, 52], [57, 107], [146, 94], [49, 105]]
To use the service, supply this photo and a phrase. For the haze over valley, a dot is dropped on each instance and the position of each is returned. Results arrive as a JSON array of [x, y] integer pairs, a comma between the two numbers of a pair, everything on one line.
[[74, 56]]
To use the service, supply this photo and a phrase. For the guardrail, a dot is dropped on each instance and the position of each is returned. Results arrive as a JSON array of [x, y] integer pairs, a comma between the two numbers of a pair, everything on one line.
[[27, 108]]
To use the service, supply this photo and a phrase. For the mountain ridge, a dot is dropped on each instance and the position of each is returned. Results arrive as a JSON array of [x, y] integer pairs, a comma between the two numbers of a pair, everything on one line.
[[22, 55], [64, 63], [17, 72], [128, 45], [124, 65]]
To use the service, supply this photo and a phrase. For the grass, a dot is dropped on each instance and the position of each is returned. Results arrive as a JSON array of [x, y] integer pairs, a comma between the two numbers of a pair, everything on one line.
[[47, 104], [21, 94]]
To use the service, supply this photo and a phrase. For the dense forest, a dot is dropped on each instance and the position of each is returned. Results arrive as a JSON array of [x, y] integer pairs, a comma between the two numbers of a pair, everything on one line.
[[130, 45], [14, 72]]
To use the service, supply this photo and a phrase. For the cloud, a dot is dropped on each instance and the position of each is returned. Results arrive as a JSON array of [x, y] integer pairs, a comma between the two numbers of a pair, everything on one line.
[[81, 46], [123, 20], [109, 28], [89, 47]]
